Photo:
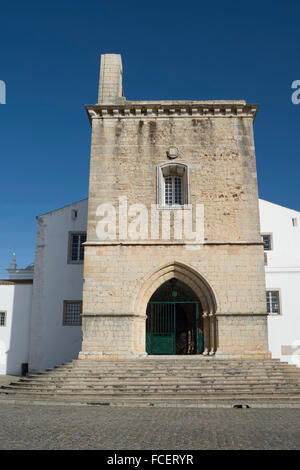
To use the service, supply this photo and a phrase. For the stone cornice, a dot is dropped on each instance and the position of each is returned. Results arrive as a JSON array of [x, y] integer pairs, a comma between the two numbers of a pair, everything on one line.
[[169, 243], [173, 109]]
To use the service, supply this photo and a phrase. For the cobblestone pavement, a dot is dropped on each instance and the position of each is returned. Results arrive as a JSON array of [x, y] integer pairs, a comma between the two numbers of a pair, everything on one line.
[[112, 428]]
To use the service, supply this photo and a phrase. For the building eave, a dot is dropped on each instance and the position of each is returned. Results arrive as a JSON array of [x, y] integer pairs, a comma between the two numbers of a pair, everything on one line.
[[63, 207], [12, 282], [173, 109]]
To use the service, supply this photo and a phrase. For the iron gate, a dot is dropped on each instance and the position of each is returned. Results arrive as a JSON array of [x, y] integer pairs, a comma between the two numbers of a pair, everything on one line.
[[161, 328]]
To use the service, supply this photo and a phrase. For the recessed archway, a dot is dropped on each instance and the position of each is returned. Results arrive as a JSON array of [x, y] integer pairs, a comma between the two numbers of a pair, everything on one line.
[[174, 323], [190, 278]]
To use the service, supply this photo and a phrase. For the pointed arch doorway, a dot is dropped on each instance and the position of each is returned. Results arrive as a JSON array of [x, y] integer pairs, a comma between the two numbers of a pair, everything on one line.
[[174, 323]]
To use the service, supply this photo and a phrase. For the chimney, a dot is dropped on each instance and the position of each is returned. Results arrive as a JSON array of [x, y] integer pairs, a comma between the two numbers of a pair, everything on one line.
[[110, 84], [13, 264]]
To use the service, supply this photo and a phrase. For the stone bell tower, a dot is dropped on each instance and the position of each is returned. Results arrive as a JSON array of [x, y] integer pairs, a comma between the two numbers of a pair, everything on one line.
[[155, 163]]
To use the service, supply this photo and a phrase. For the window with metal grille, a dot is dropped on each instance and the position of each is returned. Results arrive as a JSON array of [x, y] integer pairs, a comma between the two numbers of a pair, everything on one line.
[[273, 304], [172, 185], [76, 249], [2, 318], [267, 239], [173, 190], [72, 312]]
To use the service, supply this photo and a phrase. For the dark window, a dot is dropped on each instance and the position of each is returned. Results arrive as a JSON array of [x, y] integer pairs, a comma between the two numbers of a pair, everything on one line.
[[267, 239], [76, 249], [72, 312], [2, 318], [273, 305]]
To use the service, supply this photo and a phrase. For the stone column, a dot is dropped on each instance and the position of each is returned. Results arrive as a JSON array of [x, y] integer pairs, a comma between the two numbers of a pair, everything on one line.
[[212, 334], [206, 334]]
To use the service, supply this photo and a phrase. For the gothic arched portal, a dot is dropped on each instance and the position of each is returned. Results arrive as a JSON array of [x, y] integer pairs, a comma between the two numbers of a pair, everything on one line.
[[180, 307], [174, 323]]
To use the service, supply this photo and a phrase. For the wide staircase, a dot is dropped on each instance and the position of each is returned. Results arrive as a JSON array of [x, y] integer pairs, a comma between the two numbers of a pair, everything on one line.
[[163, 381]]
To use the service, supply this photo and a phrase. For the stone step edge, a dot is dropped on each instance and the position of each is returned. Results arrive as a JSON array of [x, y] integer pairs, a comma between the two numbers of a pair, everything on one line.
[[43, 383], [166, 373], [125, 375], [156, 383], [159, 403], [139, 395]]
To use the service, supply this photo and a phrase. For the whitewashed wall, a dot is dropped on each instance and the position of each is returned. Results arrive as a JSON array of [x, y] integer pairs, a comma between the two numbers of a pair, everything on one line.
[[15, 299], [283, 272], [55, 280]]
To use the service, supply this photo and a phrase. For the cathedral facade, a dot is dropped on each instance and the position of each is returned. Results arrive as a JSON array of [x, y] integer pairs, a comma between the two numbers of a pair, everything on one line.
[[174, 260]]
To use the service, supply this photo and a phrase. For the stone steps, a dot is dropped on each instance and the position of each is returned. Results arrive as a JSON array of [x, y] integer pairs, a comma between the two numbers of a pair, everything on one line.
[[169, 370], [165, 368], [130, 381], [191, 361], [158, 365], [163, 389], [162, 380], [158, 391], [163, 397], [177, 383], [167, 376], [126, 377], [162, 386]]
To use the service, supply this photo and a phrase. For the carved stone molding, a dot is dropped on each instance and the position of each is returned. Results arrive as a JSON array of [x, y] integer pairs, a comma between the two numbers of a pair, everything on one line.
[[152, 110]]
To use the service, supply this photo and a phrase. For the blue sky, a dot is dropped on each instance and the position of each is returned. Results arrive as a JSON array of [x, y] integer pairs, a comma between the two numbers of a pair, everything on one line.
[[50, 54]]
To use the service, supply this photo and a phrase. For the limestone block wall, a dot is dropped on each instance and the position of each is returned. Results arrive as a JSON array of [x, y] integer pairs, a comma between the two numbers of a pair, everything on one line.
[[220, 155], [116, 275], [242, 335], [215, 141]]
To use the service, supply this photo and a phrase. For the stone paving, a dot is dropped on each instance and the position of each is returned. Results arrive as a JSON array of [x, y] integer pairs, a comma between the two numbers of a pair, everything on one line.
[[99, 427]]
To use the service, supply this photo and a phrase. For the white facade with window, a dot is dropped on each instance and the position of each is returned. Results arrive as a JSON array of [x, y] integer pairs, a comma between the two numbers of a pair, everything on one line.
[[57, 279], [282, 257], [43, 325]]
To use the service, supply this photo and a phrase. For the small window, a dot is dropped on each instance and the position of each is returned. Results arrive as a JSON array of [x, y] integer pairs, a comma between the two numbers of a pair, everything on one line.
[[2, 318], [76, 249], [267, 239], [172, 185], [273, 302], [294, 222], [74, 214], [72, 312]]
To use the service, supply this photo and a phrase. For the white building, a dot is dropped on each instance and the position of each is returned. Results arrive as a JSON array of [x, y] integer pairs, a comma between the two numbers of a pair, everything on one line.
[[40, 322], [57, 288], [15, 314], [281, 231]]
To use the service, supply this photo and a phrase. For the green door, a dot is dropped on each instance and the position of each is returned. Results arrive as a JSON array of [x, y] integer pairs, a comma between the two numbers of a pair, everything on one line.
[[161, 327]]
